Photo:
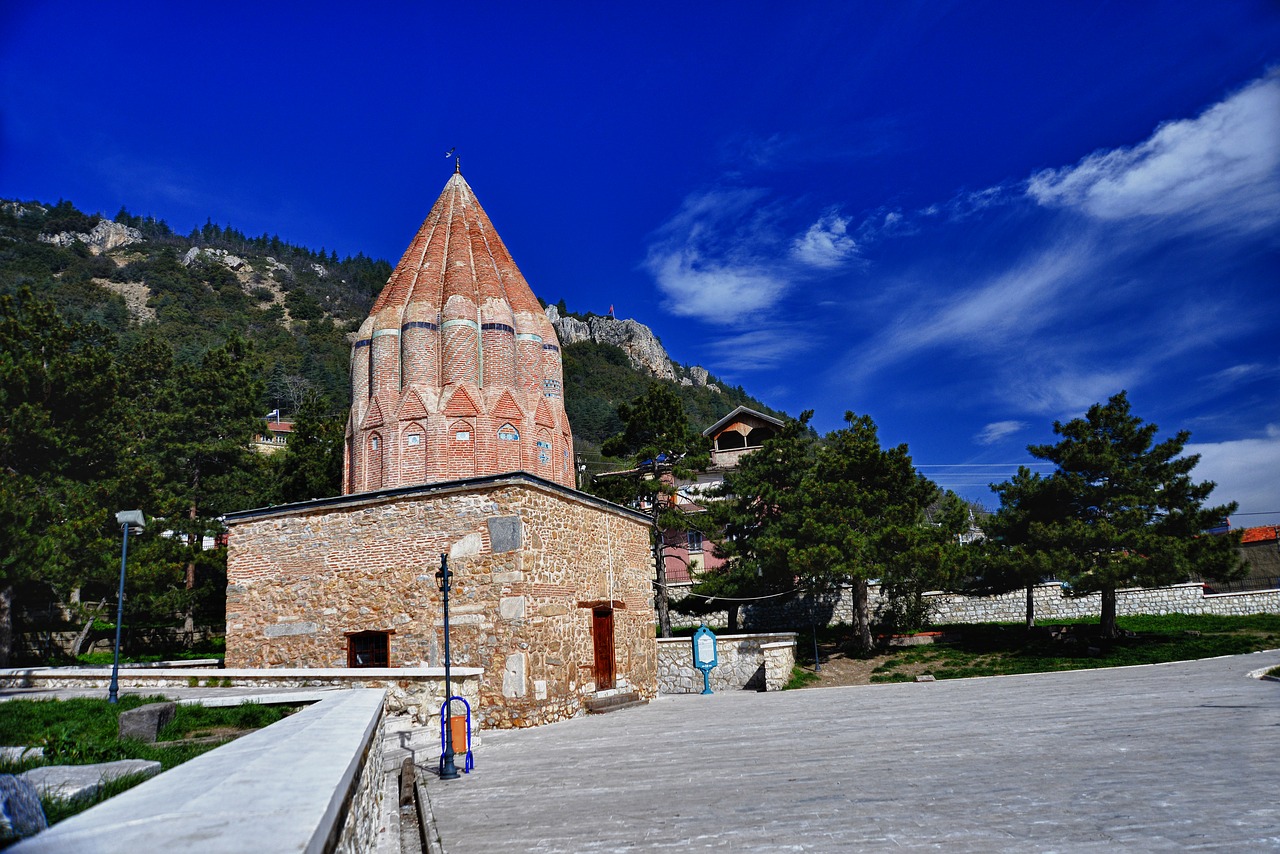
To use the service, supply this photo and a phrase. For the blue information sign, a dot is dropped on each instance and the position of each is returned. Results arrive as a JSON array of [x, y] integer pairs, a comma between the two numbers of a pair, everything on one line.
[[705, 655]]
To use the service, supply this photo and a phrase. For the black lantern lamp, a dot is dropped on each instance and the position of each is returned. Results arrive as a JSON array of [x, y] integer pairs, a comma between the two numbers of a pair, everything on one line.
[[448, 771]]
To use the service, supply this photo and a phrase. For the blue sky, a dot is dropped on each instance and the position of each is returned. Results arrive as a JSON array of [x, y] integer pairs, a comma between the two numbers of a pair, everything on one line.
[[965, 220]]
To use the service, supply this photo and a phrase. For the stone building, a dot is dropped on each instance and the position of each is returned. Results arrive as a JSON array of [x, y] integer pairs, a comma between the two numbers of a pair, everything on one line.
[[457, 445]]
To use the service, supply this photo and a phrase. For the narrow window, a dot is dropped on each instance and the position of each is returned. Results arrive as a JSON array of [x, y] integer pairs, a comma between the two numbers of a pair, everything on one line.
[[695, 541], [369, 649]]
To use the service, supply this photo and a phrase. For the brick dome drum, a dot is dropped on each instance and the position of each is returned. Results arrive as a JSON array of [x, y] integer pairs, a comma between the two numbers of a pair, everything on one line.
[[456, 373]]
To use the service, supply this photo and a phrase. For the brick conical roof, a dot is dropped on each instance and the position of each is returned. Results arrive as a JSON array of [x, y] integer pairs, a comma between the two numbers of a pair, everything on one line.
[[456, 321]]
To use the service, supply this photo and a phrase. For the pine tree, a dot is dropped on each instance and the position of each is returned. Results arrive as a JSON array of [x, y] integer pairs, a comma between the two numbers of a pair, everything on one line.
[[311, 465], [662, 449], [59, 406], [755, 513], [1011, 558], [860, 506], [1130, 514]]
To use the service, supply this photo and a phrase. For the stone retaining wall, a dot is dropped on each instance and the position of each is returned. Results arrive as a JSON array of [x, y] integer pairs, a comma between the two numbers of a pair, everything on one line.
[[1052, 602], [756, 662], [416, 691]]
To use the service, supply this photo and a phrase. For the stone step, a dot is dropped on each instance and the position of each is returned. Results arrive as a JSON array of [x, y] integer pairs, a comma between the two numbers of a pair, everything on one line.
[[599, 705]]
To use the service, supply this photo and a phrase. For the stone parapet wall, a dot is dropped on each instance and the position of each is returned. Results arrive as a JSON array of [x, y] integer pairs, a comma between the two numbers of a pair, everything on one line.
[[755, 662], [415, 691], [1052, 602], [311, 782], [779, 661], [359, 833]]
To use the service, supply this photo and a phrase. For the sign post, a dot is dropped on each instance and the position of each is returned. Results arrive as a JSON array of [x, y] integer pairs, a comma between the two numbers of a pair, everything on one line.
[[705, 655]]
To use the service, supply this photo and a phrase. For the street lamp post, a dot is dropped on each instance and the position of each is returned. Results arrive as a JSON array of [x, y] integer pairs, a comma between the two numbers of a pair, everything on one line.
[[448, 771], [126, 519]]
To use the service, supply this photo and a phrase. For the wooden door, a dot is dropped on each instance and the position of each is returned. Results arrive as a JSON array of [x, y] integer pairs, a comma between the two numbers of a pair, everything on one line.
[[602, 637]]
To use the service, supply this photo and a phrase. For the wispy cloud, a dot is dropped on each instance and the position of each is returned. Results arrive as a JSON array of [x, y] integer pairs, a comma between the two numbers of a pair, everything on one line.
[[1243, 373], [982, 317], [826, 244], [1220, 168], [997, 431], [724, 257], [1244, 471], [762, 348], [708, 261]]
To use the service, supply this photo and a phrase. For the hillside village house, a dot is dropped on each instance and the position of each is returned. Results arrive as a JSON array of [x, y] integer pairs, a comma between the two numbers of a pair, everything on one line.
[[275, 438], [734, 436], [457, 444]]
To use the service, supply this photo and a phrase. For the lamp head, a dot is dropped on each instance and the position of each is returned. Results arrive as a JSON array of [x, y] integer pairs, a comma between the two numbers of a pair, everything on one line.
[[131, 519]]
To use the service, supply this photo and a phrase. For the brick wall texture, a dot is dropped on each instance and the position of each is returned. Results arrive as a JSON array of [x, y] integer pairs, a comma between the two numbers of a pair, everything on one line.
[[457, 371], [531, 561]]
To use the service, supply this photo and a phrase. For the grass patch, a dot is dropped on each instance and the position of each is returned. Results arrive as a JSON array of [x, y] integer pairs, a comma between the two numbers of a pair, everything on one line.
[[800, 678], [1002, 649], [84, 731], [210, 648]]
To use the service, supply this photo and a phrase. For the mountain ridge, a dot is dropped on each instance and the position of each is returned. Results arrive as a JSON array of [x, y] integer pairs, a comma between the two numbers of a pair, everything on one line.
[[299, 307]]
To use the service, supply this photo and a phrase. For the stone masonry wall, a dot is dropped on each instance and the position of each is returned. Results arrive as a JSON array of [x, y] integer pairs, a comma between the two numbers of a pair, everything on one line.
[[359, 833], [1051, 603], [529, 562], [760, 662]]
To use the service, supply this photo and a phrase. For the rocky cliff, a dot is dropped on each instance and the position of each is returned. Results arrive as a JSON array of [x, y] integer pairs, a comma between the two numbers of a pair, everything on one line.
[[104, 237], [635, 339]]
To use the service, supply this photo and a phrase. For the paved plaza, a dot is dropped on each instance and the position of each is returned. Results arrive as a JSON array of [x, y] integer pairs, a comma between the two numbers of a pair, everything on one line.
[[1172, 757]]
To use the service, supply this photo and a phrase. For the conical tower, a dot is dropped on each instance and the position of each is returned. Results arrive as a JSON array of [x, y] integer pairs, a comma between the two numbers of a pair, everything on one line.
[[456, 373]]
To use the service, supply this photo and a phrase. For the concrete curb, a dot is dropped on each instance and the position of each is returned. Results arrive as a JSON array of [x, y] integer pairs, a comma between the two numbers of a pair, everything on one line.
[[427, 820]]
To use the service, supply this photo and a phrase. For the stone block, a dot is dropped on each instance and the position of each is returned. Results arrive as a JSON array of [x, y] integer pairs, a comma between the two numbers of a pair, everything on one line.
[[504, 533], [513, 675], [468, 546], [144, 722], [280, 630], [21, 814], [511, 607], [79, 782]]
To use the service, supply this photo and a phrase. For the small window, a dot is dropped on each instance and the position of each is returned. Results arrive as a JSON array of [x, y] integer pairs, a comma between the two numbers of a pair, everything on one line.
[[369, 649], [413, 439], [695, 541], [507, 433], [463, 435], [373, 443]]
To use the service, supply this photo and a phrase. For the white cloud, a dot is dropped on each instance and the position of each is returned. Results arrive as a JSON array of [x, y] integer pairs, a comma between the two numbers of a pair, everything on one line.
[[1062, 390], [711, 290], [1220, 168], [708, 261], [1245, 472], [723, 257], [826, 244], [998, 430]]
